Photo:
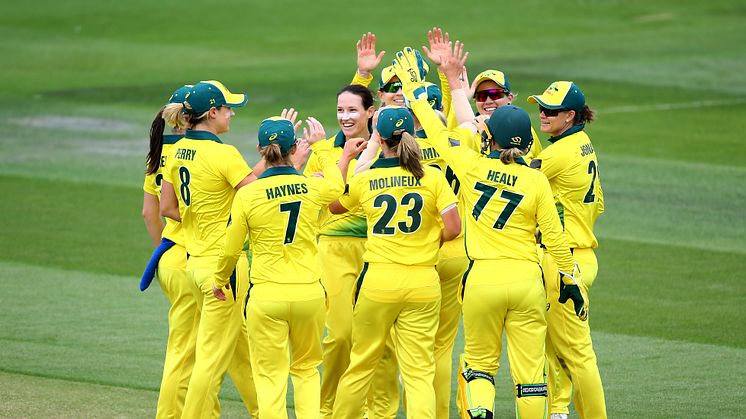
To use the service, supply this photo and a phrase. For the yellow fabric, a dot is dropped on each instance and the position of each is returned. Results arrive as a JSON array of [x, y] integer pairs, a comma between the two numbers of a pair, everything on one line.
[[571, 340], [412, 310], [206, 172], [509, 295], [413, 228], [351, 223], [362, 81], [152, 185], [285, 339], [490, 189], [450, 270], [220, 328], [182, 332], [571, 166], [279, 212]]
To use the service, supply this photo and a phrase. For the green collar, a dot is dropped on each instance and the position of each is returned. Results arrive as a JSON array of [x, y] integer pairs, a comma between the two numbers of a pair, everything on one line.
[[339, 139], [202, 135], [420, 134], [495, 154], [172, 138], [386, 162], [279, 170], [573, 129]]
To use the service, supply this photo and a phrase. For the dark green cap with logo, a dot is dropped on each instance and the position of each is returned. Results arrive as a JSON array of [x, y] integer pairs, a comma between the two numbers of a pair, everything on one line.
[[510, 126], [393, 121], [279, 131], [211, 94]]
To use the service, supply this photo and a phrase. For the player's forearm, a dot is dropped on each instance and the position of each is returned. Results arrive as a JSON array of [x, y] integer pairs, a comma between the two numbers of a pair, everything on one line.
[[169, 205], [368, 156], [229, 257], [333, 174], [152, 218]]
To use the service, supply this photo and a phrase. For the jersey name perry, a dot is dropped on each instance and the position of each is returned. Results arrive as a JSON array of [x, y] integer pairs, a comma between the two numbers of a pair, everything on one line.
[[393, 182], [185, 154], [504, 178], [285, 190]]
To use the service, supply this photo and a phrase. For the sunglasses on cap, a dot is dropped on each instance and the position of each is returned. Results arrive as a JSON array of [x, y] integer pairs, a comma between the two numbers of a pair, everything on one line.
[[550, 112], [392, 87], [494, 94]]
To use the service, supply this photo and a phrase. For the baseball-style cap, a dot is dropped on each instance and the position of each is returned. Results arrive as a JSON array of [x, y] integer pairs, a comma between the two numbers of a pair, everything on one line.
[[386, 75], [180, 94], [495, 75], [208, 94], [276, 130], [510, 126], [393, 121], [560, 95]]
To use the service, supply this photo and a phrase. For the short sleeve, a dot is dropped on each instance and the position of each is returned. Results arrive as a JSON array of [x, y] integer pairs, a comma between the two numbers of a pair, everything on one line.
[[235, 168], [551, 163], [444, 196], [149, 185]]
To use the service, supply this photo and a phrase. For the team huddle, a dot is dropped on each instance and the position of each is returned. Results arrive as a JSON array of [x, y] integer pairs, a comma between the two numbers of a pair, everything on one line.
[[363, 251]]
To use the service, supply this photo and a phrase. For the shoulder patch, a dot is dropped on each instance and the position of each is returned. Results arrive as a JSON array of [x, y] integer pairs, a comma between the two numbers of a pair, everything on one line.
[[535, 164], [454, 142]]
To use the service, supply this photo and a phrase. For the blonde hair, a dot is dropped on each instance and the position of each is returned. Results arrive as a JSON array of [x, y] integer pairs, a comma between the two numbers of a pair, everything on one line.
[[273, 155], [508, 155], [175, 116], [408, 151]]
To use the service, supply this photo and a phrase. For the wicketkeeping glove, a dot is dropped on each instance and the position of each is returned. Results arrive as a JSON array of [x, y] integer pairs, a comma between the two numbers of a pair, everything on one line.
[[571, 289], [410, 69]]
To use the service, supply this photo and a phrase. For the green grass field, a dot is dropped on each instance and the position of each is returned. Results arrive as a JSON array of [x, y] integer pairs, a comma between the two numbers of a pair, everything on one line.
[[82, 79]]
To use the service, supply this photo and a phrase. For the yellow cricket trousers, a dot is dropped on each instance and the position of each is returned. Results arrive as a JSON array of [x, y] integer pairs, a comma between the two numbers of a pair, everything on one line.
[[220, 328], [504, 294], [572, 362], [183, 318], [452, 263], [407, 299], [285, 338], [341, 259]]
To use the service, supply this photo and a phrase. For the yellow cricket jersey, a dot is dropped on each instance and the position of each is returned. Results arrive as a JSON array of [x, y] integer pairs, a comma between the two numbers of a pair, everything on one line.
[[571, 165], [152, 185], [352, 223], [279, 212], [476, 144], [404, 212], [204, 173]]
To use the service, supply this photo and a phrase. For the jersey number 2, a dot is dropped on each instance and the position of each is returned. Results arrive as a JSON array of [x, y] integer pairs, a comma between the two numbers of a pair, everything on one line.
[[487, 192], [293, 210], [592, 170]]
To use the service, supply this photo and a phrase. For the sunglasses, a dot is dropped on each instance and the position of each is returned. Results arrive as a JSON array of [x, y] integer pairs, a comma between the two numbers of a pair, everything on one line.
[[550, 112], [493, 94], [392, 87]]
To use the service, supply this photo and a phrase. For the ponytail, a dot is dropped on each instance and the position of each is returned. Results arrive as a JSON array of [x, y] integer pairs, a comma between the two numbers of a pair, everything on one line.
[[175, 116], [408, 151], [508, 155], [585, 115], [153, 160], [274, 156]]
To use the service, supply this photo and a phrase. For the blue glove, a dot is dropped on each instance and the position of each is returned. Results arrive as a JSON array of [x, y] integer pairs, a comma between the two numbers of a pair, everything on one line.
[[149, 274]]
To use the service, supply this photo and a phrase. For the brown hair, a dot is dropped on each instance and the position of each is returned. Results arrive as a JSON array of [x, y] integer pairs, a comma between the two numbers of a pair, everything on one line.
[[408, 151], [274, 156], [153, 159], [585, 115]]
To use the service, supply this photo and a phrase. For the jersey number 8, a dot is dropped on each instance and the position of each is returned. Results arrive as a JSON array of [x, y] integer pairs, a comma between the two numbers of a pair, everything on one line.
[[185, 177]]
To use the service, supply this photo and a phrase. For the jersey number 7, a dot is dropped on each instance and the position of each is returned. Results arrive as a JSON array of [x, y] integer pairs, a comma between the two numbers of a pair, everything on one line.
[[293, 208], [487, 192]]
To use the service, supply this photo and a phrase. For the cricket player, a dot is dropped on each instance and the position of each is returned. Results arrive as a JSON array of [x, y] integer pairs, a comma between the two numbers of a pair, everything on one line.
[[170, 268], [571, 165], [199, 181], [403, 201], [286, 305]]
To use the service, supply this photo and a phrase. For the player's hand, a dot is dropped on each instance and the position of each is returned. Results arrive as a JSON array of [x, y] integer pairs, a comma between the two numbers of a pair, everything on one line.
[[572, 288], [367, 59], [218, 292], [291, 115], [439, 45], [302, 151], [407, 69], [314, 132], [353, 147], [453, 64]]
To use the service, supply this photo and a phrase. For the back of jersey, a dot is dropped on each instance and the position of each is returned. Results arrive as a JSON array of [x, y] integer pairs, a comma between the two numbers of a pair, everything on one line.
[[502, 202], [281, 209], [204, 173], [403, 212], [152, 185]]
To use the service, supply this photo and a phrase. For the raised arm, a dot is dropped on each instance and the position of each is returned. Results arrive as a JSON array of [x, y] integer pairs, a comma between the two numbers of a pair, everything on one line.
[[367, 59], [314, 134]]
